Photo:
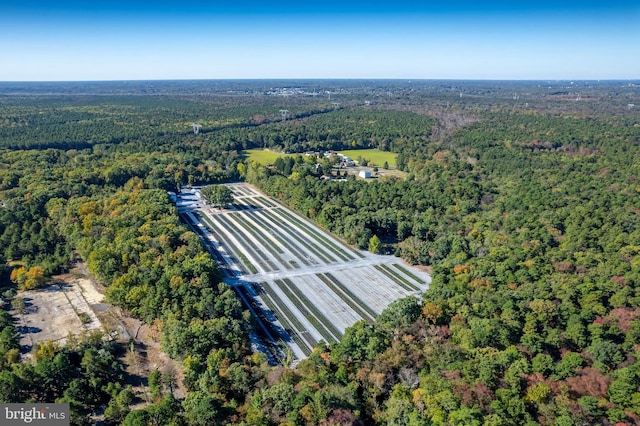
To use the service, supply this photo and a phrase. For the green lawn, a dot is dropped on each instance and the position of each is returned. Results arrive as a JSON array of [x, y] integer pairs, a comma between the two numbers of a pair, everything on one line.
[[262, 156], [265, 156], [376, 156]]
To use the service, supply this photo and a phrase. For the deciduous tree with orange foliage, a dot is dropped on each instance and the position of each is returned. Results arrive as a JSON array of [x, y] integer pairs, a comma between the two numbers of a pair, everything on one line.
[[29, 279]]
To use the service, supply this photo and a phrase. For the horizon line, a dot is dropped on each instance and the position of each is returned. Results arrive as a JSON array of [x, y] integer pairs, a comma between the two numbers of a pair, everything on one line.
[[324, 79]]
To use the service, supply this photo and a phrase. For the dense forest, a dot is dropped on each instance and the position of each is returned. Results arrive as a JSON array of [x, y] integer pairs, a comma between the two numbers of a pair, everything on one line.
[[527, 212]]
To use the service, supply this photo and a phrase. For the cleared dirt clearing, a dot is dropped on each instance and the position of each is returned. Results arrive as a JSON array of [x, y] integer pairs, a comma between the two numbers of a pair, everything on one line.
[[56, 311]]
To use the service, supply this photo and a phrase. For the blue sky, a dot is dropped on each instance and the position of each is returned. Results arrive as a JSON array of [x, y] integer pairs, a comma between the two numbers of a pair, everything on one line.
[[127, 40]]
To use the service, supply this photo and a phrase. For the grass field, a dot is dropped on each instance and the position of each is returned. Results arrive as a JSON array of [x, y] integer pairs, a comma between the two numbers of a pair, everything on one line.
[[376, 156], [262, 156]]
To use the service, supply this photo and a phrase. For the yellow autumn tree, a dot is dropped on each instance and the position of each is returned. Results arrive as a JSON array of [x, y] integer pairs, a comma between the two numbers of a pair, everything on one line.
[[17, 274], [47, 350], [28, 279]]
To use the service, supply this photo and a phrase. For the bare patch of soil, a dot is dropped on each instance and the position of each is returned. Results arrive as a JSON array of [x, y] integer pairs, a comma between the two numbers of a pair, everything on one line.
[[55, 312], [75, 304], [423, 268], [145, 355]]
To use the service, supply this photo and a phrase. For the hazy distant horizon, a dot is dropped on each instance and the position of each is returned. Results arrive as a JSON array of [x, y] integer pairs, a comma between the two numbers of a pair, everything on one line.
[[337, 79], [497, 40]]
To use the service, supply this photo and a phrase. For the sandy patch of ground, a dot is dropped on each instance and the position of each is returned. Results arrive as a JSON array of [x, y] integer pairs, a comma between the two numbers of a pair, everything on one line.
[[424, 268], [55, 312], [147, 354], [74, 304]]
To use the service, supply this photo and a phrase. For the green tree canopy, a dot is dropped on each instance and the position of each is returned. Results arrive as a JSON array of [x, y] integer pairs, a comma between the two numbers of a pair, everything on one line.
[[375, 245], [217, 195]]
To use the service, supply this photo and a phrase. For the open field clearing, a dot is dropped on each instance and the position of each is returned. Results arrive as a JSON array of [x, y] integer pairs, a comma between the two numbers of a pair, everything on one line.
[[262, 156], [375, 156], [301, 284], [57, 311]]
